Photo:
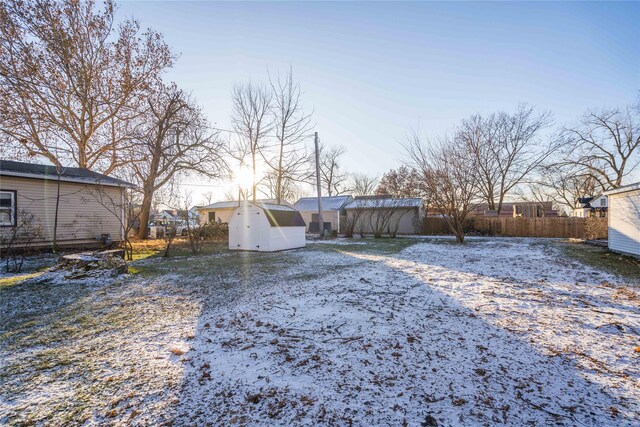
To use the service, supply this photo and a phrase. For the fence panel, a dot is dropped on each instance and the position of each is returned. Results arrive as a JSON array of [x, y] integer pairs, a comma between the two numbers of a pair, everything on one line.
[[562, 227]]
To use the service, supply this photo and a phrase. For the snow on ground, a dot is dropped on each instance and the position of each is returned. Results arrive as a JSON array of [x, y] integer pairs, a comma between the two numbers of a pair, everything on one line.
[[500, 331]]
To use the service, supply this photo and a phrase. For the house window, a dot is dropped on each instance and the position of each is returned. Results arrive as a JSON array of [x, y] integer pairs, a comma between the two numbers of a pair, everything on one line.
[[603, 202], [212, 217], [7, 208]]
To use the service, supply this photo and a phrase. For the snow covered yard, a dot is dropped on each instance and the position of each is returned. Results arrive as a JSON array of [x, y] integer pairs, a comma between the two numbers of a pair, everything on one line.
[[392, 332]]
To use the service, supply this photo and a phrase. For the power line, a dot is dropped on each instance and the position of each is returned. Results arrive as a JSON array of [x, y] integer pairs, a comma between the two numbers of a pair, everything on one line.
[[242, 133]]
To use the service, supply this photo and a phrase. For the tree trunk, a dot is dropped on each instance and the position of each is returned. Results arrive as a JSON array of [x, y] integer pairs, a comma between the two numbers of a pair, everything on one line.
[[145, 211], [54, 246]]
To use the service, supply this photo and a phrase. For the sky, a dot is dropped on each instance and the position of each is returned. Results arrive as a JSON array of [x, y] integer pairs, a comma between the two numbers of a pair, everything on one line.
[[371, 71]]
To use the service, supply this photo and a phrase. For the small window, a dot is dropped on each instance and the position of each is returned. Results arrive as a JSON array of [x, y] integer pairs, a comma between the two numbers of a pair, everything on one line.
[[7, 208], [603, 202], [212, 217]]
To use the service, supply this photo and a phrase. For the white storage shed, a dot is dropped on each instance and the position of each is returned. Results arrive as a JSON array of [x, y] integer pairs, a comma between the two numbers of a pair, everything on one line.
[[266, 228], [624, 219]]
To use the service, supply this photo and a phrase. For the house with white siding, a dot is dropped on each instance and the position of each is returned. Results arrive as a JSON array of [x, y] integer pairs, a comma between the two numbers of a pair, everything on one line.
[[220, 212], [624, 219], [90, 206]]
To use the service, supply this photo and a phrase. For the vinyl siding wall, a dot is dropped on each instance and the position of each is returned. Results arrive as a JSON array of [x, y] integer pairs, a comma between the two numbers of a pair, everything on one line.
[[624, 222], [80, 216], [410, 220]]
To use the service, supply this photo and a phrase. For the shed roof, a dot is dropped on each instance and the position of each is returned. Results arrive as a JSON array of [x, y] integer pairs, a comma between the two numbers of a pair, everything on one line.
[[284, 218], [281, 215], [332, 203], [624, 189], [49, 172], [384, 203]]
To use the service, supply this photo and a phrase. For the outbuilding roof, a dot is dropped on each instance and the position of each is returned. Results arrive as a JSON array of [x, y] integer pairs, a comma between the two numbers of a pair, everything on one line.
[[332, 203], [232, 204], [284, 218], [49, 172], [624, 189], [384, 203], [280, 215]]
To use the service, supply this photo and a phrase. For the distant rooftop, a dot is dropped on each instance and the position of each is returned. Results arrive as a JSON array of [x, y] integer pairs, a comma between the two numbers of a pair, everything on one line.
[[384, 202], [232, 204], [49, 172], [332, 203]]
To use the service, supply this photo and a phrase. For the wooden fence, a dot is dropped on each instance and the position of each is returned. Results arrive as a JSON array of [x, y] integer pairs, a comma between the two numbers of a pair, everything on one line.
[[563, 227]]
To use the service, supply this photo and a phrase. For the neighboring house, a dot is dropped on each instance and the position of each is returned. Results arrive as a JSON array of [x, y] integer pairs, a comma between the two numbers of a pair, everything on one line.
[[517, 209], [164, 218], [624, 219], [220, 212], [90, 205], [173, 217], [591, 207], [402, 215], [266, 227], [333, 212]]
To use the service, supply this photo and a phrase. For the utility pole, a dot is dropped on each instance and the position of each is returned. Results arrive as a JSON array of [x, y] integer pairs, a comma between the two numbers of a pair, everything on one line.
[[320, 219]]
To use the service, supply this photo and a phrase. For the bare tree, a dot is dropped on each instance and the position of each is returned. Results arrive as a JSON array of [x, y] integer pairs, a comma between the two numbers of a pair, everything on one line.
[[332, 178], [449, 177], [564, 184], [385, 216], [67, 73], [207, 197], [177, 140], [607, 145], [272, 185], [354, 219], [401, 182], [252, 121], [506, 149], [16, 242], [121, 206], [362, 184], [290, 162]]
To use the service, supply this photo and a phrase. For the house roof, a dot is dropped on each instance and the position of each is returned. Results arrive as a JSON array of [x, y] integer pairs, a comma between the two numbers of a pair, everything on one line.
[[49, 172], [232, 204], [384, 203], [624, 189], [332, 203]]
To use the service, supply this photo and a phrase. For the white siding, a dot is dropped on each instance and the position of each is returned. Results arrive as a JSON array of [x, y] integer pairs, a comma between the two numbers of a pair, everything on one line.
[[624, 222], [281, 238]]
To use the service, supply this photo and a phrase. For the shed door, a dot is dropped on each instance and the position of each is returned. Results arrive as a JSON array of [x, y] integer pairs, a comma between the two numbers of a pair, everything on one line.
[[250, 234]]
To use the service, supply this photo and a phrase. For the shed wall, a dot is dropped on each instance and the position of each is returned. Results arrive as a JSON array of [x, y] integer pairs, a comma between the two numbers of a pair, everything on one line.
[[624, 222], [409, 221], [252, 225]]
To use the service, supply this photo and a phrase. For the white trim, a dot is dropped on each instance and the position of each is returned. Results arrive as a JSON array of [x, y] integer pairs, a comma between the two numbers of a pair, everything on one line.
[[62, 178], [12, 214], [122, 219]]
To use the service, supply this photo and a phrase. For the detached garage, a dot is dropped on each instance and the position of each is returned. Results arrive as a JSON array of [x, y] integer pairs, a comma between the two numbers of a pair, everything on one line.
[[266, 228], [624, 219]]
